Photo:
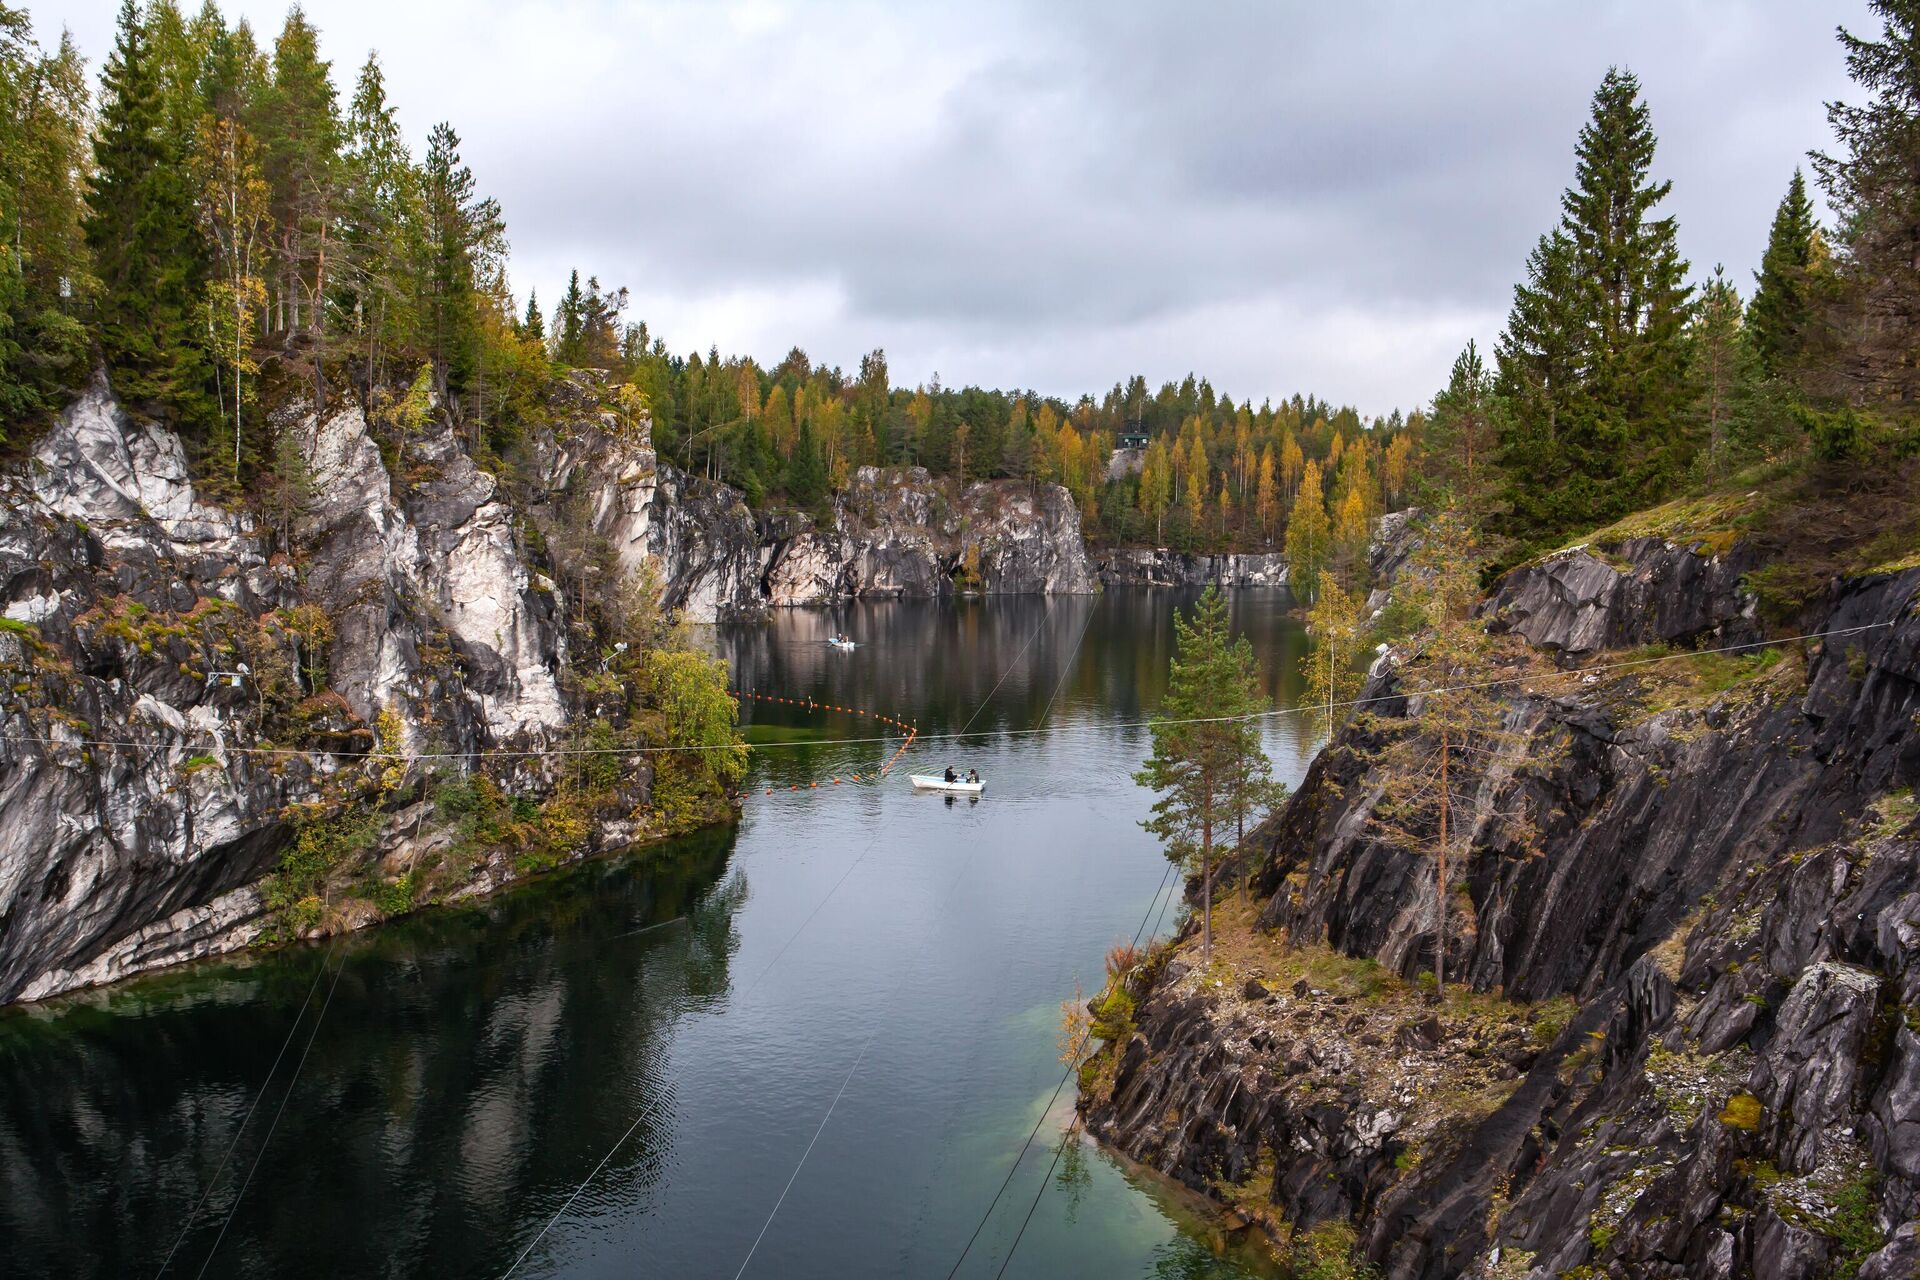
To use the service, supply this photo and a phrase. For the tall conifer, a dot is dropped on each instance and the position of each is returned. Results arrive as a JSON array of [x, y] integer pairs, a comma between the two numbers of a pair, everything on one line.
[[1593, 360], [146, 249], [1777, 315]]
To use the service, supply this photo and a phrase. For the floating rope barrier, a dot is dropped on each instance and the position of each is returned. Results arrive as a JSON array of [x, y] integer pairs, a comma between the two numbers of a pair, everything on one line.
[[911, 731]]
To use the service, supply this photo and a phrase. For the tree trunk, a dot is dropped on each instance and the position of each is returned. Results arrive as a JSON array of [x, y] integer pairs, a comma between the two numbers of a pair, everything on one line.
[[1440, 880], [1206, 886]]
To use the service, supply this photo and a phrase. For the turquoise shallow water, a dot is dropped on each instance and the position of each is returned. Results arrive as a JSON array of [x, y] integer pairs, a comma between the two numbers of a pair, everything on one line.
[[893, 957]]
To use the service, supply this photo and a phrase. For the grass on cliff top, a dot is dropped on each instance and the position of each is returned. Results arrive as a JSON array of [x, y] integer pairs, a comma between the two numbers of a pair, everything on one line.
[[1242, 950], [1808, 523], [1674, 678]]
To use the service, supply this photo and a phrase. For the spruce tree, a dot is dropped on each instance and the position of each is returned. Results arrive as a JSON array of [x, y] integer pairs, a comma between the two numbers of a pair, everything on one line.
[[44, 113], [380, 226], [534, 326], [465, 240], [301, 137], [1782, 296], [146, 248], [1872, 183], [1593, 360], [1721, 372], [569, 322], [1461, 433], [806, 471]]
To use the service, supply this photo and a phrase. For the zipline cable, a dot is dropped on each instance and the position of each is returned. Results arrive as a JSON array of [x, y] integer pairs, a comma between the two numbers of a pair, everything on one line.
[[847, 1079], [920, 954], [1055, 1097], [247, 1119], [292, 1080], [651, 1107], [1319, 708]]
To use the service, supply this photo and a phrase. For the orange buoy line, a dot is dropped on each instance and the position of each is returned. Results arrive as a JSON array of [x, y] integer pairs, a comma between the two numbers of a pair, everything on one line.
[[912, 732]]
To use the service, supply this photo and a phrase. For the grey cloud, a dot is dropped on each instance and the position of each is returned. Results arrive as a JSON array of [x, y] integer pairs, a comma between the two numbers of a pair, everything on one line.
[[1284, 197]]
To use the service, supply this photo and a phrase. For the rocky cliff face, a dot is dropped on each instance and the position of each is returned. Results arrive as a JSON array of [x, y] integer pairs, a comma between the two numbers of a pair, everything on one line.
[[1159, 567], [1690, 1054], [175, 687], [898, 533], [893, 533]]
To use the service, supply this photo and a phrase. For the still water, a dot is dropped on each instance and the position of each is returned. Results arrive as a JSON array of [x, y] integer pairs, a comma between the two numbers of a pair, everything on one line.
[[846, 1007]]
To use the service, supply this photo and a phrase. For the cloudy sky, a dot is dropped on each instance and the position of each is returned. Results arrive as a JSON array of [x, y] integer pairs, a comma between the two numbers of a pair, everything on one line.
[[1281, 197]]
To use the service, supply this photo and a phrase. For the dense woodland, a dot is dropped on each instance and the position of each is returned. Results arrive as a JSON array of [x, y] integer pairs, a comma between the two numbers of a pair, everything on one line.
[[223, 226]]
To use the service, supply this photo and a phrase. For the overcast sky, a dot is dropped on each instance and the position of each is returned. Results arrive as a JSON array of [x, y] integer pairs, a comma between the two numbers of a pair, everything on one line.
[[1299, 197]]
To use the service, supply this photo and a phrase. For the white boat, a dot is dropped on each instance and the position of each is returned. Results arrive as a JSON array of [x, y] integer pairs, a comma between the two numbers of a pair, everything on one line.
[[841, 643], [936, 782]]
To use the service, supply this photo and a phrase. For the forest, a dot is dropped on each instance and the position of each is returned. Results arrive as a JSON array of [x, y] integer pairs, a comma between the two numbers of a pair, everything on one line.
[[224, 229]]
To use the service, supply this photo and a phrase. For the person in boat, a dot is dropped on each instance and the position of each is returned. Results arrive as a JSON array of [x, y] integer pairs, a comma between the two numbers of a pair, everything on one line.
[[951, 776], [973, 775]]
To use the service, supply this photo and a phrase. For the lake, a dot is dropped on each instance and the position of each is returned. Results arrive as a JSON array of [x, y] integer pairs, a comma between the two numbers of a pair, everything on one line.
[[847, 1008]]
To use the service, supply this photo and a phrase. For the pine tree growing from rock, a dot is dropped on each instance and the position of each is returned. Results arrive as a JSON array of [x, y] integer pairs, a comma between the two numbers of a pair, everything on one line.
[[1431, 763], [1207, 763]]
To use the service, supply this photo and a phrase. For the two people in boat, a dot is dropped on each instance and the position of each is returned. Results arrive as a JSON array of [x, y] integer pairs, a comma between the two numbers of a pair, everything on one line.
[[973, 775]]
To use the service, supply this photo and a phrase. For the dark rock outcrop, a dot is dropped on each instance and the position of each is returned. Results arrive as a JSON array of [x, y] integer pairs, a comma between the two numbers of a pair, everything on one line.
[[1726, 876], [1639, 591]]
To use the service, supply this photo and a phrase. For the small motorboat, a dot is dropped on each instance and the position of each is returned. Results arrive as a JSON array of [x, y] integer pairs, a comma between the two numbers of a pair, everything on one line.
[[934, 782], [842, 643]]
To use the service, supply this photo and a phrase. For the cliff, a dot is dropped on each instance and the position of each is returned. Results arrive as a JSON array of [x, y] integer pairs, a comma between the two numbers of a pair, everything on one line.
[[1686, 1049], [186, 688], [892, 533]]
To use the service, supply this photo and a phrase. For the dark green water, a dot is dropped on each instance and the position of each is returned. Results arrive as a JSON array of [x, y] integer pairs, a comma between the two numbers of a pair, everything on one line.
[[887, 961]]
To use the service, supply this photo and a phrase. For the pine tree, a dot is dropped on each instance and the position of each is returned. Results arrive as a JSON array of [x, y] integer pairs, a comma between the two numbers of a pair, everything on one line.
[[1206, 760], [146, 248], [1309, 538], [43, 262], [1430, 764], [465, 239], [1593, 359], [533, 325], [1721, 372], [1872, 184], [806, 472], [1461, 434], [570, 322], [1783, 293]]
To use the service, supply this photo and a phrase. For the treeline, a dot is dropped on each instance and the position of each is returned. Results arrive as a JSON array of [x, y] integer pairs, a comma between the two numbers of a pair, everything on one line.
[[221, 219], [223, 222], [1617, 384]]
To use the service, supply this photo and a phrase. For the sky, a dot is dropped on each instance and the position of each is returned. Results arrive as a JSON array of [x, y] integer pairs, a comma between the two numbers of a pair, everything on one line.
[[1282, 198]]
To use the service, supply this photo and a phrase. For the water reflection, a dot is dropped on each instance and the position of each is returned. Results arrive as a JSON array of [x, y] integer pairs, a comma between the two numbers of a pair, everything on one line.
[[476, 1064], [471, 1063]]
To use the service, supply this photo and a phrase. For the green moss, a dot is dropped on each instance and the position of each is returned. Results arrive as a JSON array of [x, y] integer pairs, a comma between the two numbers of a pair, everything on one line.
[[194, 764], [1742, 1111]]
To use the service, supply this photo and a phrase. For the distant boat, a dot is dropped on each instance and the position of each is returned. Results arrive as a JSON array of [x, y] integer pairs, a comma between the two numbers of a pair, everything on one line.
[[935, 782], [841, 642]]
